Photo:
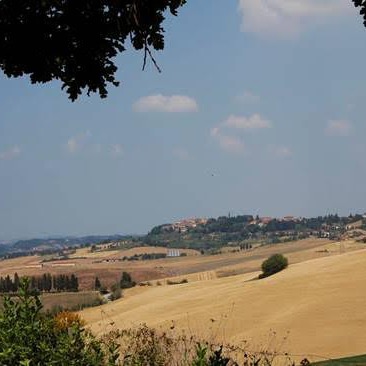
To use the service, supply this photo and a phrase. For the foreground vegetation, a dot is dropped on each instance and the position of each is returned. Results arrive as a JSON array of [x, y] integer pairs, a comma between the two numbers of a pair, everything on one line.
[[30, 337]]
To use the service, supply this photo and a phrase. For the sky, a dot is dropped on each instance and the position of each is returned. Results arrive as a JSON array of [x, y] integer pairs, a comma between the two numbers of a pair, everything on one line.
[[259, 109]]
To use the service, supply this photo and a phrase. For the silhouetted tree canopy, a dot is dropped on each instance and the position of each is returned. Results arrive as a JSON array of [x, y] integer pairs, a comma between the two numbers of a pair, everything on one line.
[[75, 41], [362, 4]]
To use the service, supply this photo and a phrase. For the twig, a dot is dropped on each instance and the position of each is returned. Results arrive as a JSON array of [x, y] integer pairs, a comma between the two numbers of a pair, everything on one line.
[[148, 52]]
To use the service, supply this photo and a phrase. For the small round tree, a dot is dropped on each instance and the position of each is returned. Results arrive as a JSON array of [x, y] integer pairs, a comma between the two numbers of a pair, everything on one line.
[[275, 263]]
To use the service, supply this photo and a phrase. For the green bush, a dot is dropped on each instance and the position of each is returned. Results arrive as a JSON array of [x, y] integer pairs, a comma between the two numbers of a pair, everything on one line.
[[29, 337], [126, 281], [275, 263]]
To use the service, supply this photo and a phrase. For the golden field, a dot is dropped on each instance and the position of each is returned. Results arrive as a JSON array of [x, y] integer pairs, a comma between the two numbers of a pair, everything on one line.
[[320, 299], [108, 268], [318, 302]]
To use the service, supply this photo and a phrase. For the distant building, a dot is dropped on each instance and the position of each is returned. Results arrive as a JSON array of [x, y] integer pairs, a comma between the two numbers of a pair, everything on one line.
[[184, 225], [173, 253], [265, 220]]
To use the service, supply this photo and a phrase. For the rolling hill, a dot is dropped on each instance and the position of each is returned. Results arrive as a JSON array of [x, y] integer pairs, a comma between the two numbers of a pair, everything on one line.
[[319, 305]]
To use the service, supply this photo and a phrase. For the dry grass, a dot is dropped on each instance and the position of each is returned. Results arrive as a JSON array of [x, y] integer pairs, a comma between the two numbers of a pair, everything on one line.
[[193, 267], [115, 254], [70, 300], [321, 302]]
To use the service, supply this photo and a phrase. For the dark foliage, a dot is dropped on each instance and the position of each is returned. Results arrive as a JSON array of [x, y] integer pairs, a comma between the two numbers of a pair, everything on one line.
[[126, 281], [75, 41], [44, 283], [97, 284], [275, 263], [145, 256], [170, 282], [362, 4]]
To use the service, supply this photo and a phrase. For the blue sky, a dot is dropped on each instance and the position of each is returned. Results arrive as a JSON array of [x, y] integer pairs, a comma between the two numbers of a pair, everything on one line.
[[259, 109]]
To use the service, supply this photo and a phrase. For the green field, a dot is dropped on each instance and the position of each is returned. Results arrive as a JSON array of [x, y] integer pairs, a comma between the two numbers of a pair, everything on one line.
[[349, 361]]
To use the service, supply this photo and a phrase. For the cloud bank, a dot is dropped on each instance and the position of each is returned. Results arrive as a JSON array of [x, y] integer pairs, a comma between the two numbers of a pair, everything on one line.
[[75, 143], [227, 143], [253, 122], [338, 128], [167, 104], [11, 153], [288, 18], [223, 133]]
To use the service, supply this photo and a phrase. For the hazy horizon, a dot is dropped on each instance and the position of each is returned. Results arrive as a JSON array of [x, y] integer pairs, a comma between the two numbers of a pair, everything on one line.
[[78, 235]]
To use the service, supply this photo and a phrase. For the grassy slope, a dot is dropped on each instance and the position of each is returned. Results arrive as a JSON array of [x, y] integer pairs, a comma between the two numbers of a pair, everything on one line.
[[348, 361], [320, 302]]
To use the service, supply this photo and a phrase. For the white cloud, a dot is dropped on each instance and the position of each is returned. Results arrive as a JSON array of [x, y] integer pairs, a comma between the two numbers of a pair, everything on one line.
[[338, 128], [280, 151], [161, 103], [248, 97], [75, 143], [182, 154], [117, 150], [287, 18], [11, 153], [230, 144], [255, 121]]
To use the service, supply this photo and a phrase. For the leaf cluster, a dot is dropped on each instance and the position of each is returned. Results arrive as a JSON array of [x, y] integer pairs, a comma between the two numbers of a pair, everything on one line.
[[362, 5], [75, 41]]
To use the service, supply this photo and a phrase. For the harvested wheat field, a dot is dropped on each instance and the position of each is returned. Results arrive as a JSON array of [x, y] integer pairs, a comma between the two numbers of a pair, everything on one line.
[[320, 302], [107, 266], [119, 253]]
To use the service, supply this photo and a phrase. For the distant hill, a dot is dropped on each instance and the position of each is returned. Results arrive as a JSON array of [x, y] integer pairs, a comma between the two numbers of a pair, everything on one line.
[[53, 244], [213, 233]]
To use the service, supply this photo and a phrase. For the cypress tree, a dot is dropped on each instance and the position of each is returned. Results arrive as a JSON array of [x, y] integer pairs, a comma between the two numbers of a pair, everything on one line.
[[16, 282], [97, 284]]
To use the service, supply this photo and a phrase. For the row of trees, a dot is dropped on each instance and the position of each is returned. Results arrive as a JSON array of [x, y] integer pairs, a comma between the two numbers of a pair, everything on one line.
[[145, 257], [220, 231], [124, 282], [116, 289], [44, 283]]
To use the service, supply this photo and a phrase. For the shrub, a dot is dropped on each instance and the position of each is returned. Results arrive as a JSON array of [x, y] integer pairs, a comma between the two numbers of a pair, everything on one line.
[[29, 337], [67, 319], [116, 294], [170, 282], [126, 281], [275, 263]]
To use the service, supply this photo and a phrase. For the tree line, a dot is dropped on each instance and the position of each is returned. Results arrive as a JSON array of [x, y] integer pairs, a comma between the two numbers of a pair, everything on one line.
[[44, 283], [243, 226]]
